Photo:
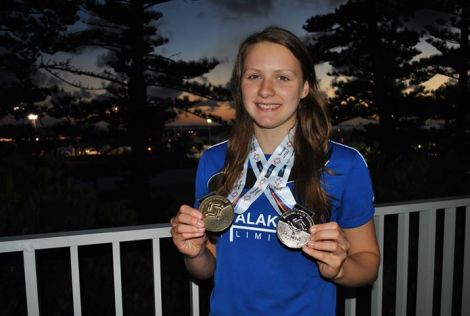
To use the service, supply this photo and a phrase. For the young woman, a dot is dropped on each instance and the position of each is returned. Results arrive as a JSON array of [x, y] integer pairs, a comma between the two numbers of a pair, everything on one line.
[[279, 112]]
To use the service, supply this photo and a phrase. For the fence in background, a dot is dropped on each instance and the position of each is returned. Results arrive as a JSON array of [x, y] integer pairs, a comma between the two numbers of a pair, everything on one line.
[[427, 211]]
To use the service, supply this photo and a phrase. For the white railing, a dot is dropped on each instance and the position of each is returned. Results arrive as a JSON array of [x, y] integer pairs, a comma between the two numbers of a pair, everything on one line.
[[28, 245], [427, 210]]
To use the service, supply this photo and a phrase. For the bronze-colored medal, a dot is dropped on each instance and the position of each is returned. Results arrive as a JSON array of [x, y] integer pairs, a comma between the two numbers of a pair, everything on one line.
[[293, 228], [217, 211]]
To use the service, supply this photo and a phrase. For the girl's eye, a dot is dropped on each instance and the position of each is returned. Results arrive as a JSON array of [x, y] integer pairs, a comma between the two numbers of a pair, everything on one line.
[[252, 76]]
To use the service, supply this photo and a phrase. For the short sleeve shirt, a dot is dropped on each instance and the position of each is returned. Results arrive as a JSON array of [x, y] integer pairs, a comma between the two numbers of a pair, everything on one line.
[[255, 273]]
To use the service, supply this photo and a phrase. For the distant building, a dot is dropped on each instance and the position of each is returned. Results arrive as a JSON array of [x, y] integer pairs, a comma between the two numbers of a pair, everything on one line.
[[356, 123], [201, 130]]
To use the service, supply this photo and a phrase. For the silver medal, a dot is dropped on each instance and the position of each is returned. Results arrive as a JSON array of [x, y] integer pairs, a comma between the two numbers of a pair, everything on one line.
[[293, 228]]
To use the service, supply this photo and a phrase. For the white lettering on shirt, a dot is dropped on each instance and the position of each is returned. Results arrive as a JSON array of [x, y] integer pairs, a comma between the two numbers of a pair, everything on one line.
[[251, 226], [261, 220], [240, 219]]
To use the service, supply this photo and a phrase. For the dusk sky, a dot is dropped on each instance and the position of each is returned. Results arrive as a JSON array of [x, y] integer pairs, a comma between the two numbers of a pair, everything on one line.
[[215, 28]]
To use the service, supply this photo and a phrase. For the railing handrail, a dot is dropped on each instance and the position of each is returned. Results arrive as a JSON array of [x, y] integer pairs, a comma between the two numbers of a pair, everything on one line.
[[83, 237], [382, 209], [121, 233]]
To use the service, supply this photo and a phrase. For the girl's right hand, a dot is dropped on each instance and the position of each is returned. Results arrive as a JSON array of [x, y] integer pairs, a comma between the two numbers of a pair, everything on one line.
[[188, 232]]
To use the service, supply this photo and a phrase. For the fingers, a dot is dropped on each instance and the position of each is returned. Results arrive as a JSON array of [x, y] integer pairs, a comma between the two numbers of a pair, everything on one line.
[[328, 237], [184, 225], [329, 246], [190, 216], [330, 261], [187, 219], [187, 230]]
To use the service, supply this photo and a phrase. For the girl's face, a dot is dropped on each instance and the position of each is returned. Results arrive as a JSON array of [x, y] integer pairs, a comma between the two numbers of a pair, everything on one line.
[[272, 86]]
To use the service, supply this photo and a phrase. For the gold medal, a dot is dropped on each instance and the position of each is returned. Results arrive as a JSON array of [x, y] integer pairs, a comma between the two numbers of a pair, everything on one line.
[[217, 211]]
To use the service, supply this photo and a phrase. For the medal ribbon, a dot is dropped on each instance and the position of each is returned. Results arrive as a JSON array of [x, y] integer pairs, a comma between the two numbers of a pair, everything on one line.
[[278, 194], [271, 177]]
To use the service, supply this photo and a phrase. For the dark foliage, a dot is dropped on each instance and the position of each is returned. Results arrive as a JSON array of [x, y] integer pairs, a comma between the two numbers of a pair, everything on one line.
[[29, 30]]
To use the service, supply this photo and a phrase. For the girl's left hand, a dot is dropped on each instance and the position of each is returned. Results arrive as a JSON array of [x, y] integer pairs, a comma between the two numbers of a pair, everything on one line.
[[329, 246]]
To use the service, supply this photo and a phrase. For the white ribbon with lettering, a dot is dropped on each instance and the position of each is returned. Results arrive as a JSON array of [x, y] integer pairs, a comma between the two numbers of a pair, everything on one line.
[[271, 176]]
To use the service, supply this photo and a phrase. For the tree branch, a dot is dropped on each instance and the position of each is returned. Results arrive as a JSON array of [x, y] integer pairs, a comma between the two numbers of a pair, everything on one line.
[[76, 85], [195, 93], [148, 6], [73, 70]]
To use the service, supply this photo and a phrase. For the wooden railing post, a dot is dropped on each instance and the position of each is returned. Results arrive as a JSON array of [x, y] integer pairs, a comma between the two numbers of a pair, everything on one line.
[[403, 237], [466, 266], [426, 251], [377, 289], [31, 282]]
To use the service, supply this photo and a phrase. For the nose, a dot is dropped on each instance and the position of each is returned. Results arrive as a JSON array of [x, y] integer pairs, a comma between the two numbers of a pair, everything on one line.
[[266, 89]]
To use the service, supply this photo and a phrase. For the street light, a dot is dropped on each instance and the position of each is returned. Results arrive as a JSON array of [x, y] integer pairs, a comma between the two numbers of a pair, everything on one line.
[[209, 121], [33, 118]]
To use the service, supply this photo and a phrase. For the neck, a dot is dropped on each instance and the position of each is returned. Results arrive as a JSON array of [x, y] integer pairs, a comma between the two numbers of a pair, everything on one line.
[[269, 139]]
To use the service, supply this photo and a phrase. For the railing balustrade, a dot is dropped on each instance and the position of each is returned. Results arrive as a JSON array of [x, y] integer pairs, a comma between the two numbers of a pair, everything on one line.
[[427, 210]]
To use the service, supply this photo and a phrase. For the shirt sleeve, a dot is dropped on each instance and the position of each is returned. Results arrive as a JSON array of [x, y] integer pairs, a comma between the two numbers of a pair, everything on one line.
[[357, 202]]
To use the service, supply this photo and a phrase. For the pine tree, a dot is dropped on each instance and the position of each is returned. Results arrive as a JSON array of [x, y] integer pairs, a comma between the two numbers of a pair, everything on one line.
[[29, 31], [449, 35], [370, 49], [131, 69]]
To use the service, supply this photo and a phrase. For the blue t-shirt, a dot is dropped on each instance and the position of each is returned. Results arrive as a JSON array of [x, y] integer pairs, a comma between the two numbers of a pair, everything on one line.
[[255, 274]]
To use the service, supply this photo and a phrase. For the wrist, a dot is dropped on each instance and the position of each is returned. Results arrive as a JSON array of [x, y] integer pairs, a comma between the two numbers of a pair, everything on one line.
[[340, 273], [339, 276], [198, 255]]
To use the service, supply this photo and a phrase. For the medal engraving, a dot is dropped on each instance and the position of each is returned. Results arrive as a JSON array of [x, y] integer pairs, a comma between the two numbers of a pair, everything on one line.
[[218, 213], [292, 228]]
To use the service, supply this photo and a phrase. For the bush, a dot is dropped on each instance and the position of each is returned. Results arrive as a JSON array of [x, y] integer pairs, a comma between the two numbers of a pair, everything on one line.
[[37, 196]]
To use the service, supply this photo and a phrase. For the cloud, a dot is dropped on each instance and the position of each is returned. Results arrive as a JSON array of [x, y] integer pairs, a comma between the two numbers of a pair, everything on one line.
[[315, 6], [243, 8], [154, 92], [335, 3], [201, 15]]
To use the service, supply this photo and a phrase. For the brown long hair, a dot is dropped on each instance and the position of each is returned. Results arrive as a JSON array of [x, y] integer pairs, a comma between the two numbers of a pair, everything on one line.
[[311, 135]]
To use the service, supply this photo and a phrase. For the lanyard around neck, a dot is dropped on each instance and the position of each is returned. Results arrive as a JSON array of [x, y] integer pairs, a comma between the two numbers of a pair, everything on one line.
[[272, 176]]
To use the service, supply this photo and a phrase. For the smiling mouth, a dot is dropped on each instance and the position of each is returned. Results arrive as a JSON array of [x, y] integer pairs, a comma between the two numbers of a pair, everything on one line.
[[268, 106]]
